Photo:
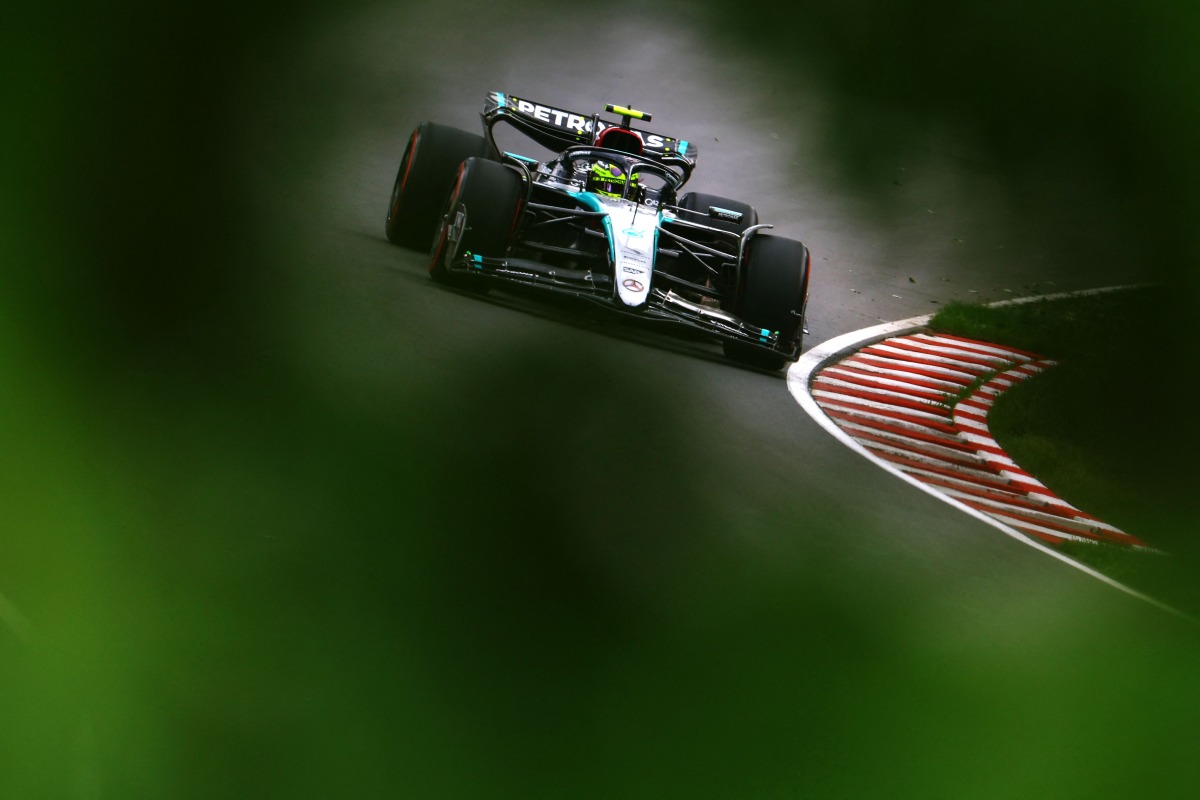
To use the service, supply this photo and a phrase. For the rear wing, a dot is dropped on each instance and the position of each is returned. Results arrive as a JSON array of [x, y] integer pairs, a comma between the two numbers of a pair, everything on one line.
[[558, 129]]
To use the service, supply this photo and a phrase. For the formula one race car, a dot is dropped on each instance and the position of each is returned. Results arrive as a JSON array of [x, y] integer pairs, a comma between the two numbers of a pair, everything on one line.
[[602, 220]]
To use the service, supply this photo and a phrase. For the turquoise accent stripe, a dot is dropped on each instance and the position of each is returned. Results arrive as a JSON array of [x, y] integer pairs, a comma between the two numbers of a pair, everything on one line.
[[683, 146], [500, 97], [589, 200]]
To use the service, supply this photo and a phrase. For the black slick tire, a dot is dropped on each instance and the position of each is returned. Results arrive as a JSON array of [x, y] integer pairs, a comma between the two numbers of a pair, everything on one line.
[[772, 297], [424, 179], [480, 218]]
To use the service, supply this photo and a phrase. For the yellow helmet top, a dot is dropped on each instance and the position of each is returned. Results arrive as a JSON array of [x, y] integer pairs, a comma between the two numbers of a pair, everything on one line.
[[607, 179]]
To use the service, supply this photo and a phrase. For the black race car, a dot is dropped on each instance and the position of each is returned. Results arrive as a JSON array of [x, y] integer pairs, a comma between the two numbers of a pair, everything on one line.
[[602, 220]]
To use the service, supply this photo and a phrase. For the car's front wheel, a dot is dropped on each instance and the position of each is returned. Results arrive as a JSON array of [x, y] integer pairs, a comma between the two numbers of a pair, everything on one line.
[[773, 291], [480, 217]]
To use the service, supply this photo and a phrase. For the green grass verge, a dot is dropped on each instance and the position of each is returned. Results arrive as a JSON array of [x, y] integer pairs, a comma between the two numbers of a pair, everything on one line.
[[1108, 429]]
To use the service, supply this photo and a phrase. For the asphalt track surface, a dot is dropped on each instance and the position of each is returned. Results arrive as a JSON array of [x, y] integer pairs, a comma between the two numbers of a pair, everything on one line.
[[857, 637]]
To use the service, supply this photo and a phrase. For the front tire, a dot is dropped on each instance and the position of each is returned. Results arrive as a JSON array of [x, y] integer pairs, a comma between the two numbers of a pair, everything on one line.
[[773, 294], [425, 176], [480, 217]]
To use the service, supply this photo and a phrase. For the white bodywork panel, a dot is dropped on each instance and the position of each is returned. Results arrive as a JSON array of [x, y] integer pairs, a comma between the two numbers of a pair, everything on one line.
[[632, 229]]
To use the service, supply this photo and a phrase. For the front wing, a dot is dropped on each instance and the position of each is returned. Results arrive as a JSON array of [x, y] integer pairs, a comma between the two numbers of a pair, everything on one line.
[[663, 306]]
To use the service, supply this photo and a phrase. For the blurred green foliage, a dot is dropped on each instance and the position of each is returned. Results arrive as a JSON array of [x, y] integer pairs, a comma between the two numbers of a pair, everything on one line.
[[224, 575], [1083, 111]]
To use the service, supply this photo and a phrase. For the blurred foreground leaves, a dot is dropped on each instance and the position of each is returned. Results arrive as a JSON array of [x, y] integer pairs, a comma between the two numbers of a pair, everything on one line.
[[241, 580], [1081, 114]]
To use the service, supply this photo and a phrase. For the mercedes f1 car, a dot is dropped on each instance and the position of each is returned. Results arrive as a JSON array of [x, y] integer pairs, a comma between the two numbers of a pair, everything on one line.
[[602, 220]]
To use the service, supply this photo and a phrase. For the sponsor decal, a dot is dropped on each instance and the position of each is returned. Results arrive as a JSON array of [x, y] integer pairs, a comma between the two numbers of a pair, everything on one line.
[[634, 232], [632, 285], [553, 116], [633, 270], [724, 213], [579, 124]]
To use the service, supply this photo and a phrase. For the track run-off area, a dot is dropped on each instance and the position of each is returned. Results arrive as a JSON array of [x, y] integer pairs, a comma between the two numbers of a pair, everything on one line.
[[916, 404]]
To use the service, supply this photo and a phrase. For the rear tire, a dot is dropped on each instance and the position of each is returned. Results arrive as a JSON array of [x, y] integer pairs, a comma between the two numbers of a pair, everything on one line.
[[425, 176], [480, 217], [698, 201], [773, 294]]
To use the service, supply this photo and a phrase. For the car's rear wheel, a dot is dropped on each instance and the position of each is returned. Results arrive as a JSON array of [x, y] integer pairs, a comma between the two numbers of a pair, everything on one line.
[[704, 203], [425, 176], [480, 218], [773, 292]]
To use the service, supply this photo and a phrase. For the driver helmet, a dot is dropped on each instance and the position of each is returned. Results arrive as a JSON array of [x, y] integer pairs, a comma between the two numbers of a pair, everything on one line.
[[608, 179]]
